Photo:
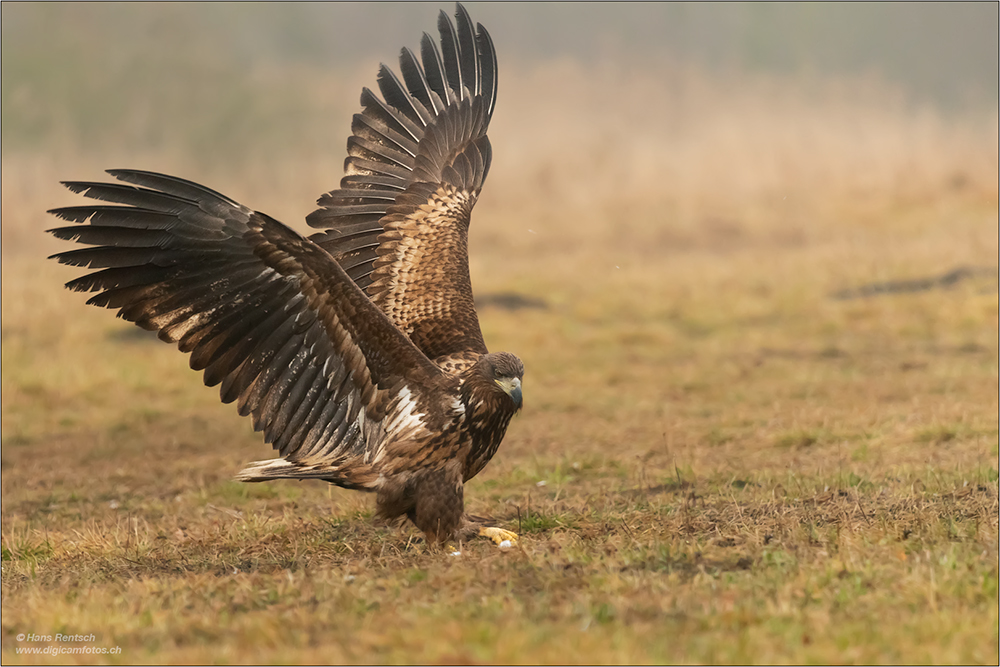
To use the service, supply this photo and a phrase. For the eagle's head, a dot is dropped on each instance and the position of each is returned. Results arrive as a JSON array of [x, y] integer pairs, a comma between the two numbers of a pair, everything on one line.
[[505, 371]]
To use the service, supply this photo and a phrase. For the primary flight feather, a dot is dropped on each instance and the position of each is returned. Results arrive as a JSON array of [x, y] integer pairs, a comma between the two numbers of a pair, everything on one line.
[[357, 351]]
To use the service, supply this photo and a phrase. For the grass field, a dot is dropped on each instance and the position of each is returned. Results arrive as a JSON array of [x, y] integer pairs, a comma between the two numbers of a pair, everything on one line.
[[760, 424]]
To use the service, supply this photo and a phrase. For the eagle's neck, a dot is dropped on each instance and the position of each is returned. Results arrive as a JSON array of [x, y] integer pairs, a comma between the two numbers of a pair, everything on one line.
[[487, 413]]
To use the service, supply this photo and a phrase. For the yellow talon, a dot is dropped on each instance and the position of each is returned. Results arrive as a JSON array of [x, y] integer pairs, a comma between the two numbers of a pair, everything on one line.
[[502, 538]]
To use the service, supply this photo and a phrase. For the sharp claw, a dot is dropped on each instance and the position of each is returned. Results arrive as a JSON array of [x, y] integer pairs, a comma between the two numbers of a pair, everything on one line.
[[502, 538]]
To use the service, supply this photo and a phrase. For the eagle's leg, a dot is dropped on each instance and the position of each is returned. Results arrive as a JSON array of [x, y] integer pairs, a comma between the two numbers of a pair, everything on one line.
[[439, 504]]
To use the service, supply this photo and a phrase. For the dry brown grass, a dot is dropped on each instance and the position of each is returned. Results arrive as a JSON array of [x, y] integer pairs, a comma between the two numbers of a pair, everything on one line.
[[718, 460]]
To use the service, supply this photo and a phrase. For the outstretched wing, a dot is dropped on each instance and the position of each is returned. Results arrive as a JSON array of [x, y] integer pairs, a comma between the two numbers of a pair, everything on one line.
[[399, 223], [262, 310]]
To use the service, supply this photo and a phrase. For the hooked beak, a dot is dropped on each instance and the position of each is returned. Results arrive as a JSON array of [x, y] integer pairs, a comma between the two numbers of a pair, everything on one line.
[[511, 387]]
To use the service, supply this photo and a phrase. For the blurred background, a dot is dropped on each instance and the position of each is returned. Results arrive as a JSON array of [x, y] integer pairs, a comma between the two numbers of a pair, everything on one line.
[[681, 106], [91, 68], [674, 113]]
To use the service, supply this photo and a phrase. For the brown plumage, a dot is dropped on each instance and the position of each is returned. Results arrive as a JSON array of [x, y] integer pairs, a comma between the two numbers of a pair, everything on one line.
[[356, 351]]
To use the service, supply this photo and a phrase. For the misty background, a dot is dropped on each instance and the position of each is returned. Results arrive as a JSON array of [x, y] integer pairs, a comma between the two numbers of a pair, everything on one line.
[[200, 75]]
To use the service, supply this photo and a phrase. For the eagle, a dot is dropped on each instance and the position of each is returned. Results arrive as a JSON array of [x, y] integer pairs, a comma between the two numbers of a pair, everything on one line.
[[356, 350]]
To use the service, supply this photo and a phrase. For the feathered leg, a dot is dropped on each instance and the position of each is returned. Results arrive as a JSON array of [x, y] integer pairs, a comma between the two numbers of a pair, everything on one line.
[[434, 501], [440, 503]]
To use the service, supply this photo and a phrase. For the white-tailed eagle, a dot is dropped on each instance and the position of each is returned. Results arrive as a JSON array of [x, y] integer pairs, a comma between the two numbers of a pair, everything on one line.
[[357, 350]]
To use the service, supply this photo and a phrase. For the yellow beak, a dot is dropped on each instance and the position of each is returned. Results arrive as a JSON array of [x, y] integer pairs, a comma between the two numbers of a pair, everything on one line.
[[511, 387]]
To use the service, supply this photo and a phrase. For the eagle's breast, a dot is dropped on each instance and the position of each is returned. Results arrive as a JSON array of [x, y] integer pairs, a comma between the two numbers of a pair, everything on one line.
[[488, 412]]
